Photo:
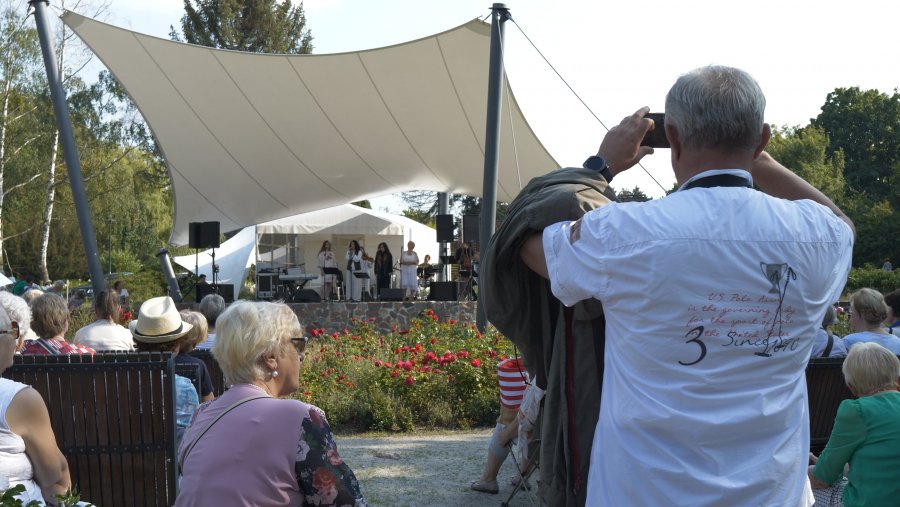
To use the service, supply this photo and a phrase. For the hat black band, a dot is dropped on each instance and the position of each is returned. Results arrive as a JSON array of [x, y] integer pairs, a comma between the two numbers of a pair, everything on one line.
[[180, 327]]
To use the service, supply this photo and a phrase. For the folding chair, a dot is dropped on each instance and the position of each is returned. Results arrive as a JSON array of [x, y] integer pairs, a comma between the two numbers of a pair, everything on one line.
[[526, 467]]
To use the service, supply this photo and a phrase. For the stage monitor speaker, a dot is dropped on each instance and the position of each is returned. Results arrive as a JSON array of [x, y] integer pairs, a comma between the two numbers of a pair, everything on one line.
[[444, 225], [203, 234], [391, 294], [226, 290], [443, 291], [306, 296], [471, 226]]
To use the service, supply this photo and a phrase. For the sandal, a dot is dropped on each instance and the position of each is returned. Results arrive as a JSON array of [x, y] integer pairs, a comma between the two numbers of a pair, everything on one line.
[[486, 487]]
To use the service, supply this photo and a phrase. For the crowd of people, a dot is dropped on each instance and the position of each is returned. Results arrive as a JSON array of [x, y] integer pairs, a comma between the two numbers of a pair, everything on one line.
[[259, 347], [691, 317]]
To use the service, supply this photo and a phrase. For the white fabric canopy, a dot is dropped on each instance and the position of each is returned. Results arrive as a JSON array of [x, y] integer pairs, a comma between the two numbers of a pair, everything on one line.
[[252, 137]]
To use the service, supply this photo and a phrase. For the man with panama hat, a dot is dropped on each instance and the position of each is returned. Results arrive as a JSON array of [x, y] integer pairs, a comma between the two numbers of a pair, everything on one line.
[[159, 328]]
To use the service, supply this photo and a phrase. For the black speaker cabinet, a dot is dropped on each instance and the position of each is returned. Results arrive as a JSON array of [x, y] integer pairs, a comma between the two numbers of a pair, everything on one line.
[[391, 294], [471, 226], [443, 291], [444, 225], [306, 296], [203, 234]]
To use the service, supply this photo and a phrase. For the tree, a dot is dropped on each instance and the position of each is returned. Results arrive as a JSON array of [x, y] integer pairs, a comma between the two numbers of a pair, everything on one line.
[[257, 26], [806, 152], [865, 126], [633, 195]]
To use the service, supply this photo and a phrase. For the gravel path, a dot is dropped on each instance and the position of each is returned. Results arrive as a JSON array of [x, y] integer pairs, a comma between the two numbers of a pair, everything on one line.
[[430, 469]]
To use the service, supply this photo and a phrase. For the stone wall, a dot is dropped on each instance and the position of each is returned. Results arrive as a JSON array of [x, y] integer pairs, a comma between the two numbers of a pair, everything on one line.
[[335, 316]]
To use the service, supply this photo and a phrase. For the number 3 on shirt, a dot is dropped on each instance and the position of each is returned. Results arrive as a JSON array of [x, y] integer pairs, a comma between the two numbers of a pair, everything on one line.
[[694, 335]]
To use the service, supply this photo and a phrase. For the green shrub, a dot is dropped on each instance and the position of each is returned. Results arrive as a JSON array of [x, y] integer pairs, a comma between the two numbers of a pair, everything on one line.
[[873, 277], [435, 374]]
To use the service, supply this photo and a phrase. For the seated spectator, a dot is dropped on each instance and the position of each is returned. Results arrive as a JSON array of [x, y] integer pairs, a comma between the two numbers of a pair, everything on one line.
[[196, 335], [211, 306], [892, 300], [28, 452], [159, 328], [866, 435], [30, 295], [249, 446], [867, 313], [119, 287], [105, 333], [77, 299], [50, 320], [519, 408], [828, 344]]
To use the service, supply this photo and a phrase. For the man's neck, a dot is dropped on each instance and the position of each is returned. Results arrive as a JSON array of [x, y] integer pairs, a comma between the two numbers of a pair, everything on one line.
[[693, 162]]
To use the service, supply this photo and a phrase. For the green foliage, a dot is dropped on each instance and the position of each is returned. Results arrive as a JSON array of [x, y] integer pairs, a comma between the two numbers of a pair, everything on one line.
[[805, 151], [8, 498], [877, 229], [865, 126], [874, 278], [257, 26], [633, 195], [435, 374], [419, 215]]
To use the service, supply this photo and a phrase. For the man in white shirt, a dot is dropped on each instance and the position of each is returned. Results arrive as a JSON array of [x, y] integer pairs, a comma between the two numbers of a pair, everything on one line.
[[712, 297]]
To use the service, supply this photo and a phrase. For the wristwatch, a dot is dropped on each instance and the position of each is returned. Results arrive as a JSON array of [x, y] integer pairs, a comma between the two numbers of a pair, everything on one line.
[[598, 163]]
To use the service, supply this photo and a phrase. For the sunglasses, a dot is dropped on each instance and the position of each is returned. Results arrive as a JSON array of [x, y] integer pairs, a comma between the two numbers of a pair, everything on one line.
[[300, 344], [13, 331]]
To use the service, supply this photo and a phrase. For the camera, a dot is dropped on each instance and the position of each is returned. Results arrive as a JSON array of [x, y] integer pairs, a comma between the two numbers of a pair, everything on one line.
[[656, 138]]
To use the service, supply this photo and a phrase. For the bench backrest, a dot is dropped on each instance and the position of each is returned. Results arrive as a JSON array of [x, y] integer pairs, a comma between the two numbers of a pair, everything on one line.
[[215, 372], [114, 419], [826, 389]]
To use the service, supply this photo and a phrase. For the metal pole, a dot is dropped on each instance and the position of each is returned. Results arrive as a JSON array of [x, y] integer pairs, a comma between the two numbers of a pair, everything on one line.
[[58, 94], [499, 14], [443, 209]]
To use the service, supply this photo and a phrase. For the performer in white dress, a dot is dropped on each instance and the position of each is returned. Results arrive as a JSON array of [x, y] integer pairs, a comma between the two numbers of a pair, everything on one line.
[[409, 261]]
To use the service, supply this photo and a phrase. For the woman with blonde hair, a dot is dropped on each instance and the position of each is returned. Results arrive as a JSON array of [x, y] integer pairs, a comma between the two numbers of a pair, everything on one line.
[[249, 446], [867, 313], [28, 448], [866, 435]]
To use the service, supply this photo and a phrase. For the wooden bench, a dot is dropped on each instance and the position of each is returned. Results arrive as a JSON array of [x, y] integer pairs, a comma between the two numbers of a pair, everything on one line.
[[114, 419], [826, 390], [215, 372]]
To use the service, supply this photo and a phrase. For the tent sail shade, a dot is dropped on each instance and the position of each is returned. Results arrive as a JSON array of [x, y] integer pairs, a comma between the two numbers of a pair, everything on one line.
[[250, 138]]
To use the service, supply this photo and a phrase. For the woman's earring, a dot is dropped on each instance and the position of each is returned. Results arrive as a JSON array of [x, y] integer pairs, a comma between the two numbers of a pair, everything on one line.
[[274, 373]]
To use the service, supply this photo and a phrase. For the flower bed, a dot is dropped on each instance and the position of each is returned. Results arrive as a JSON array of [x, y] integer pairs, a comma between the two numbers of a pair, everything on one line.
[[436, 374]]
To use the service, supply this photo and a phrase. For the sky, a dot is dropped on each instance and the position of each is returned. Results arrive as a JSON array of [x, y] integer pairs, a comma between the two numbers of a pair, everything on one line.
[[619, 56]]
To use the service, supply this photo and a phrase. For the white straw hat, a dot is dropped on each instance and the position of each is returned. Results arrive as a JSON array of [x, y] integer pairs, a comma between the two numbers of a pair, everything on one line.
[[158, 322]]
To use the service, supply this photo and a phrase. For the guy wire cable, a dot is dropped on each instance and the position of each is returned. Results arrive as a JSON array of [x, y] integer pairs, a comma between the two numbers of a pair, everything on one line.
[[578, 96]]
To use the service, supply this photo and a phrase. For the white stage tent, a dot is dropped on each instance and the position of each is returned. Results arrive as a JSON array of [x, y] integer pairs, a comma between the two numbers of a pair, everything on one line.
[[249, 138], [294, 242]]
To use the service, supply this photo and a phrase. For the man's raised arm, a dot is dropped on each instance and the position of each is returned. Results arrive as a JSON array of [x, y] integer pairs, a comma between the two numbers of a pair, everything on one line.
[[778, 181]]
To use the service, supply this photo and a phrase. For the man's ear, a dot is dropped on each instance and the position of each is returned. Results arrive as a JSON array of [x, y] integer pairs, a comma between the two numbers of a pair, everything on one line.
[[763, 140], [672, 136]]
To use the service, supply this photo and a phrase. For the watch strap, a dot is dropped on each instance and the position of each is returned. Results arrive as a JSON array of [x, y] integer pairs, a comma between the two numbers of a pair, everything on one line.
[[598, 163]]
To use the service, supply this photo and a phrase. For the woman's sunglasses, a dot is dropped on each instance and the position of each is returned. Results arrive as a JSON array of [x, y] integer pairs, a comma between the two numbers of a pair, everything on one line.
[[12, 331], [300, 344]]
